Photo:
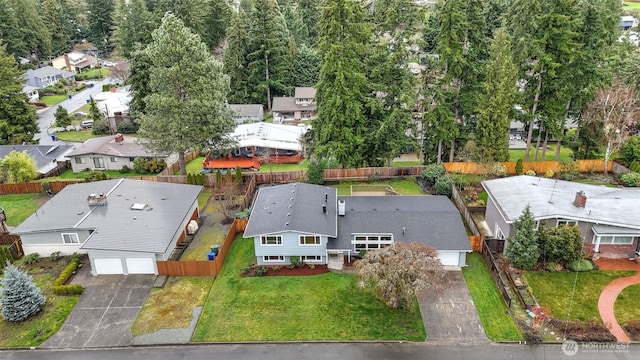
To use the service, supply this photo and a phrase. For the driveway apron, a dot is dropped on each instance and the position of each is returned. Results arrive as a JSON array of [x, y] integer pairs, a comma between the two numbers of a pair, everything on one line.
[[450, 316], [105, 312]]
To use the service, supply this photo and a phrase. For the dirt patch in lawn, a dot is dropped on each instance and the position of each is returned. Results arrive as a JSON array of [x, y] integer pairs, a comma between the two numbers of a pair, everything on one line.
[[277, 270], [633, 330]]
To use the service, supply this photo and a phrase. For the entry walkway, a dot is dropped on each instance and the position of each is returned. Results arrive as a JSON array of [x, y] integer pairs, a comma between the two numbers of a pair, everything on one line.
[[612, 290]]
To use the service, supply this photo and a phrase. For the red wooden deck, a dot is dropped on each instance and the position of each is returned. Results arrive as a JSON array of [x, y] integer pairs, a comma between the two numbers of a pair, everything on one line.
[[224, 163]]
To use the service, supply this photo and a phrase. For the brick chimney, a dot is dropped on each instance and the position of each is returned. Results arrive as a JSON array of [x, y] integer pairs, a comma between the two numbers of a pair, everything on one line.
[[119, 137], [580, 200]]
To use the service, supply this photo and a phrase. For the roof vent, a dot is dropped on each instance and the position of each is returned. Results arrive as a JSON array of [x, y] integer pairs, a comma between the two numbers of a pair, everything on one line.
[[97, 199], [341, 207], [137, 206], [580, 200], [324, 208]]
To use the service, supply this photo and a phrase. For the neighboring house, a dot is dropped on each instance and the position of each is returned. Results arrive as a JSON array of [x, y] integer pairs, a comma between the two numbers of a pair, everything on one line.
[[109, 153], [114, 105], [313, 223], [47, 76], [246, 113], [608, 218], [32, 92], [47, 157], [75, 62], [627, 22], [295, 109], [124, 225], [86, 48]]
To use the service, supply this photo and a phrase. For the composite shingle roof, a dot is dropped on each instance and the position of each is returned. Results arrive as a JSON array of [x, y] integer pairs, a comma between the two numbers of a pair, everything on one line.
[[44, 155], [107, 145]]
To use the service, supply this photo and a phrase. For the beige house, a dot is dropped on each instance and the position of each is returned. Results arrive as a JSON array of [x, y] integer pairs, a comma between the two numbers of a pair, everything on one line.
[[75, 62], [301, 106], [109, 153]]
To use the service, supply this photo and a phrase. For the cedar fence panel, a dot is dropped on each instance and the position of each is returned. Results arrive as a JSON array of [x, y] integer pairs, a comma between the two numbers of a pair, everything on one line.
[[540, 167], [371, 173], [464, 211], [33, 187], [173, 167], [476, 243]]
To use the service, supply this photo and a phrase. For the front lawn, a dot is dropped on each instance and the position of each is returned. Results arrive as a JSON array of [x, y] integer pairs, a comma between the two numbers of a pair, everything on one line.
[[38, 328], [18, 207], [554, 292], [75, 135], [297, 308], [626, 306], [566, 154], [489, 303], [408, 186], [51, 100]]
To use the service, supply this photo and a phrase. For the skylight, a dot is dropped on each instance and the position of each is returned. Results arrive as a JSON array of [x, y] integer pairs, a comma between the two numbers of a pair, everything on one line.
[[138, 206]]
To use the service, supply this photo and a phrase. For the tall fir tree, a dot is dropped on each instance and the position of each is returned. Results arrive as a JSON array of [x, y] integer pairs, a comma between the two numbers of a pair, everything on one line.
[[18, 120], [56, 20], [21, 297], [183, 103], [217, 19], [10, 29], [192, 13], [132, 26], [497, 101], [522, 250], [306, 68], [310, 11], [34, 37], [235, 58], [100, 24], [139, 79]]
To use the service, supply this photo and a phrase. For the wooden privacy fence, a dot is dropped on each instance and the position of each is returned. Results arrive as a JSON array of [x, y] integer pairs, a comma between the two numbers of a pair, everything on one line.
[[15, 244], [495, 274], [173, 167], [540, 167], [464, 211], [203, 268], [33, 187], [371, 173], [476, 243]]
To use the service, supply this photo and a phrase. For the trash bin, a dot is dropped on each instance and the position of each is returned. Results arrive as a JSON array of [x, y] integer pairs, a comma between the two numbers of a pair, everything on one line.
[[88, 101], [69, 96], [211, 255], [215, 249], [90, 85], [53, 137]]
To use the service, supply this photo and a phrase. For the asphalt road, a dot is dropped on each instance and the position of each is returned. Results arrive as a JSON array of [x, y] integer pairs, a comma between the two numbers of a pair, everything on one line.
[[46, 118], [374, 351]]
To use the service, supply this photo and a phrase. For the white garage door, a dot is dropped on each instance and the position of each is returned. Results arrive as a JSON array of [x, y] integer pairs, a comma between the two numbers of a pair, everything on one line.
[[140, 266], [449, 258], [108, 266]]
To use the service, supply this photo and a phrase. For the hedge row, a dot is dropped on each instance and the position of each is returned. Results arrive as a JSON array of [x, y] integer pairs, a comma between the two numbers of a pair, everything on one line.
[[58, 285]]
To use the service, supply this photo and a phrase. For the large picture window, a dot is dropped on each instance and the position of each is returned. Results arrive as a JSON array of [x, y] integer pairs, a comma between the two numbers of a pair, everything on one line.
[[615, 240], [309, 240], [371, 242], [98, 163], [79, 160], [70, 238], [271, 240]]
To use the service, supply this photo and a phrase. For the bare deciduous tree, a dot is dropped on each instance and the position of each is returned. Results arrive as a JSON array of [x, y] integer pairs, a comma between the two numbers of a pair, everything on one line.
[[120, 71], [401, 271], [614, 109], [226, 197]]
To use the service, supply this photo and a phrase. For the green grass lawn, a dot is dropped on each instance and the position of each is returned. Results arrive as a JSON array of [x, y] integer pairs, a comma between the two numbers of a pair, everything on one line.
[[76, 135], [626, 307], [51, 100], [406, 163], [36, 329], [489, 303], [407, 186], [595, 182], [194, 166], [631, 5], [111, 174], [553, 291], [303, 165], [566, 154], [303, 308], [203, 198], [18, 207]]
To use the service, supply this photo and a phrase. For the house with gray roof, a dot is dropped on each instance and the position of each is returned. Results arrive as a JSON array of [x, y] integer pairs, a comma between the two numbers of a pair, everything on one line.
[[47, 76], [246, 113], [111, 152], [607, 217], [124, 225], [315, 224], [47, 157], [302, 106]]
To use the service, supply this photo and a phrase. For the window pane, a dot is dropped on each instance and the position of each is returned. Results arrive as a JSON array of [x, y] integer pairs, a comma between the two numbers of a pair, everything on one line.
[[623, 240]]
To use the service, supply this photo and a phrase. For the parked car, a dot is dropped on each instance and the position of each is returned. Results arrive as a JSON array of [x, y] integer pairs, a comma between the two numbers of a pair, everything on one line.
[[87, 124]]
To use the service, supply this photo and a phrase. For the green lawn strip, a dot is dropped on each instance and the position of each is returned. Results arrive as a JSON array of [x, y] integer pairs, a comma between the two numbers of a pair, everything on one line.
[[489, 303], [194, 166], [626, 307], [631, 5], [111, 174], [595, 182], [320, 307], [75, 135], [203, 198], [18, 207], [51, 100], [36, 329], [406, 163], [407, 186], [566, 154], [554, 292], [303, 165]]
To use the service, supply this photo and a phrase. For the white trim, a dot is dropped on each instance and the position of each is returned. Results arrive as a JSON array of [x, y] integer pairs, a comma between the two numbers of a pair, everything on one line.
[[71, 235], [280, 258], [305, 259], [264, 237], [317, 237]]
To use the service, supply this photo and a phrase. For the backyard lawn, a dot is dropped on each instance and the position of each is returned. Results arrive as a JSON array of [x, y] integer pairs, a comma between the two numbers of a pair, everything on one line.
[[111, 174], [51, 100], [631, 5], [626, 306], [407, 186], [18, 207], [76, 135], [302, 308], [554, 292], [566, 154], [489, 303]]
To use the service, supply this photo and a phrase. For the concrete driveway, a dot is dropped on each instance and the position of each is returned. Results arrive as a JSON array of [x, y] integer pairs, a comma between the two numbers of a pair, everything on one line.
[[105, 312], [450, 317]]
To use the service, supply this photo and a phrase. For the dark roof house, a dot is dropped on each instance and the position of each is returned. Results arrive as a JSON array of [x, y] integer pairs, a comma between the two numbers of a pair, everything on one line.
[[45, 156]]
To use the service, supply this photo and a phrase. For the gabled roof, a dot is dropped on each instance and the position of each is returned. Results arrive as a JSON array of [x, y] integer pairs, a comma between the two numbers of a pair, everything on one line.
[[268, 135], [288, 104], [550, 198], [431, 220], [107, 145], [117, 226], [293, 207], [305, 93], [44, 155], [244, 110], [50, 71]]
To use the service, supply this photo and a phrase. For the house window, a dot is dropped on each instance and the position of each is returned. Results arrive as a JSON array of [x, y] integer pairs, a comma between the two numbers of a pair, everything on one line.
[[70, 238], [371, 242], [131, 159], [615, 240], [98, 162], [312, 259], [567, 223], [499, 233], [273, 240], [309, 240], [273, 258], [80, 160], [114, 159]]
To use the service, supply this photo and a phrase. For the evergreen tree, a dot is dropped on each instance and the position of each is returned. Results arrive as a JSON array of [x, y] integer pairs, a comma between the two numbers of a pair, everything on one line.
[[100, 21], [306, 68], [21, 298], [18, 120], [10, 29], [139, 80], [340, 128], [497, 100], [235, 58], [268, 40], [296, 26], [192, 13], [132, 26], [522, 250], [218, 17], [56, 20], [33, 35], [183, 103], [310, 11], [62, 116]]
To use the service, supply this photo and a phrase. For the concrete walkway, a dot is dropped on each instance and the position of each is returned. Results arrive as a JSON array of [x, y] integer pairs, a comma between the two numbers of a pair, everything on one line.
[[612, 290]]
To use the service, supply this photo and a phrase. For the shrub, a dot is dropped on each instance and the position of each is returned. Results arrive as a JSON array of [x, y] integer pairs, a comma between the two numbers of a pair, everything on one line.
[[551, 267], [549, 174], [71, 289], [443, 186], [315, 173], [460, 180], [631, 179], [276, 269], [154, 166], [432, 172], [296, 262], [635, 166], [54, 256], [244, 214], [530, 173], [127, 128], [66, 273], [125, 169], [630, 151], [312, 266], [580, 265], [238, 176], [100, 127], [261, 270], [138, 165], [80, 87], [498, 169], [46, 186], [31, 259], [519, 167], [5, 255]]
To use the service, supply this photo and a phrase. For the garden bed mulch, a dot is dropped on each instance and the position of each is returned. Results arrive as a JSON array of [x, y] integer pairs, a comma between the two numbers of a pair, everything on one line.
[[288, 271], [633, 330], [583, 331]]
